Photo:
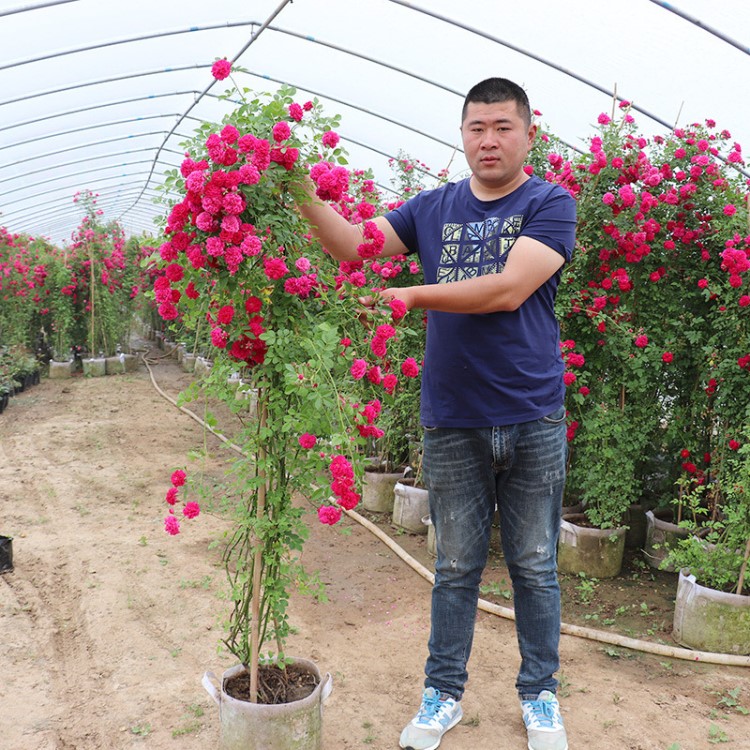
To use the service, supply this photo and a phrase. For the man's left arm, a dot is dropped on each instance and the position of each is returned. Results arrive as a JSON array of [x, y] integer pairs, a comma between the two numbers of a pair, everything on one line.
[[530, 264]]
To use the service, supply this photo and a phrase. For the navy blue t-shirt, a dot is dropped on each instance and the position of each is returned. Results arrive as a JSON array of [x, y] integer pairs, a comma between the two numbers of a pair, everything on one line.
[[492, 369]]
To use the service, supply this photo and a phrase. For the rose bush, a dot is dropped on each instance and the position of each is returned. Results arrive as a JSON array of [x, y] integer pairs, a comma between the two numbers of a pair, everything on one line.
[[240, 274], [654, 314]]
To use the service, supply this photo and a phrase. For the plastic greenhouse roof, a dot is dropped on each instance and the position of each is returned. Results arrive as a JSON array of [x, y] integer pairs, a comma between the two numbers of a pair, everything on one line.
[[98, 94]]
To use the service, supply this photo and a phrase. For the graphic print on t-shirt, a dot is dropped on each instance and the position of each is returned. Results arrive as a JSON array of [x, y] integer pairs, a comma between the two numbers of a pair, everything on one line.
[[476, 248]]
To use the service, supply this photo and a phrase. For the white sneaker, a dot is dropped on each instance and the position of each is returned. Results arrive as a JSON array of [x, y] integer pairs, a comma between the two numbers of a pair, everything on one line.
[[435, 717], [544, 724]]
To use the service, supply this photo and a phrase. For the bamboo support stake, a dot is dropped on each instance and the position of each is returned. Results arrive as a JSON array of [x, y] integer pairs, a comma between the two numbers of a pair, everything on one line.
[[258, 559], [743, 569], [91, 298]]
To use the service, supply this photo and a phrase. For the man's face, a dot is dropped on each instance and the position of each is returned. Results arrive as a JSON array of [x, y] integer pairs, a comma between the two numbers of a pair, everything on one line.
[[496, 141]]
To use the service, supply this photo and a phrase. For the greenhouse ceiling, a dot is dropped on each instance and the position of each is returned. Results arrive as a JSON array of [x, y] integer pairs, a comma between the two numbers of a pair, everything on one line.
[[99, 95]]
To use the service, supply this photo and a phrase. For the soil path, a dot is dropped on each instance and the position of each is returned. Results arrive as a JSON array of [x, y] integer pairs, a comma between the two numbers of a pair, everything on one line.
[[107, 624]]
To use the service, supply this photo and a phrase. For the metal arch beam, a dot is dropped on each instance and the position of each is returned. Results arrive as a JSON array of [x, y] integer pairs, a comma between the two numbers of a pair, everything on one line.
[[57, 189], [526, 53], [337, 100], [64, 223], [67, 210], [357, 107], [36, 6], [697, 22], [128, 40], [33, 212], [83, 172], [96, 106], [48, 169], [549, 63], [112, 79], [96, 126], [205, 91], [84, 145]]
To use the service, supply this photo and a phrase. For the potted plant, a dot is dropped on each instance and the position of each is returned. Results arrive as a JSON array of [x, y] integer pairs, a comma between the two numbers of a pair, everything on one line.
[[712, 608], [653, 312], [239, 269]]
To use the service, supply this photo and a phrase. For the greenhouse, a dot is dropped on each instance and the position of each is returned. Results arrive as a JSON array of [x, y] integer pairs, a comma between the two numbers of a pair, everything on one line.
[[327, 357]]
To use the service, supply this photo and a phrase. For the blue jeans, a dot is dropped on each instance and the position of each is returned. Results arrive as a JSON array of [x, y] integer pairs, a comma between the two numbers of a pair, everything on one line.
[[520, 469]]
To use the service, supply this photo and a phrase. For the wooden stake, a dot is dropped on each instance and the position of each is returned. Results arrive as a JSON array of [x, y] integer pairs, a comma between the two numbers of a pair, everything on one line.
[[743, 569], [258, 557]]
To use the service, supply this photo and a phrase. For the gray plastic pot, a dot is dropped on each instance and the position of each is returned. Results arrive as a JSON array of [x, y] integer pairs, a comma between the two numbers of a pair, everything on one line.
[[378, 490], [410, 506], [709, 620], [284, 726], [596, 552], [661, 536]]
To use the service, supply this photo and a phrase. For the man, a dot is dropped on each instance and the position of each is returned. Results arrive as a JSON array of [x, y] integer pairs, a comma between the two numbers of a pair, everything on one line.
[[491, 247]]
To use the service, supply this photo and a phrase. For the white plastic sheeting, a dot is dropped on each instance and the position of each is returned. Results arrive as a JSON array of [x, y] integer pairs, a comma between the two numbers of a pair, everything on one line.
[[99, 94]]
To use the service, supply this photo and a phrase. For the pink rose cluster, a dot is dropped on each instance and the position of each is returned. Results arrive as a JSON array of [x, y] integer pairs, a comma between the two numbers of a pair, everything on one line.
[[189, 510], [332, 181], [342, 486]]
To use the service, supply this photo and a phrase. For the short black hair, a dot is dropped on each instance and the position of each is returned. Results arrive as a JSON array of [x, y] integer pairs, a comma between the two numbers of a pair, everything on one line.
[[493, 90]]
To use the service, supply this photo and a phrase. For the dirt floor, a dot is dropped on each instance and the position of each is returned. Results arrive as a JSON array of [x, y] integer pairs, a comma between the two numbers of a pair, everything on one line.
[[107, 624]]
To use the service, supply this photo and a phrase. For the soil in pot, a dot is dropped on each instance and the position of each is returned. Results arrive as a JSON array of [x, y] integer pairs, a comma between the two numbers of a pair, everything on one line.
[[275, 685], [290, 720]]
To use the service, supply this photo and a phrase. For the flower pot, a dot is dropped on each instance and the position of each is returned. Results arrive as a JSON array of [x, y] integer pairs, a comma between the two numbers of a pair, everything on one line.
[[6, 554], [131, 362], [257, 726], [202, 366], [60, 369], [378, 490], [431, 541], [710, 620], [188, 362], [410, 506], [115, 365], [94, 368], [596, 552], [245, 392], [661, 536]]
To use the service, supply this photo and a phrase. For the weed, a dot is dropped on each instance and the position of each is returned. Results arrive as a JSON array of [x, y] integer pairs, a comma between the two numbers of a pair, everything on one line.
[[141, 730], [204, 583], [369, 738], [497, 589], [563, 685], [731, 700], [193, 712], [472, 721], [143, 541], [586, 588], [716, 735]]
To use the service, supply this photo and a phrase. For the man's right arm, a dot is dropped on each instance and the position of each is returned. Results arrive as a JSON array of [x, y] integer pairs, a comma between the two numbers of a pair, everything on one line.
[[337, 235]]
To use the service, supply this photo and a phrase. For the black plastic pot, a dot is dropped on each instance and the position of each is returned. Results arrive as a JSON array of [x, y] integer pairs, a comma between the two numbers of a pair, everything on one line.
[[6, 554]]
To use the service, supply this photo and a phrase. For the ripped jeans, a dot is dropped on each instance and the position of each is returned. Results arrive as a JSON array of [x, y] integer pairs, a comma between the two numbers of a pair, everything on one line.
[[521, 470]]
